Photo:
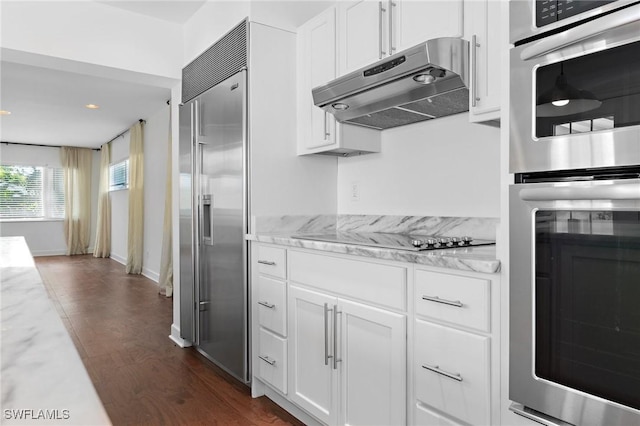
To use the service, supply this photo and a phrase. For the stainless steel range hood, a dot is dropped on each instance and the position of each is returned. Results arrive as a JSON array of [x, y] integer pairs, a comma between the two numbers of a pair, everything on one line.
[[427, 81]]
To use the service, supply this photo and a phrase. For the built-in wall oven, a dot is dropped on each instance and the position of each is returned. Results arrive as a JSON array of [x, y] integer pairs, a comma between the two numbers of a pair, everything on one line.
[[575, 212]]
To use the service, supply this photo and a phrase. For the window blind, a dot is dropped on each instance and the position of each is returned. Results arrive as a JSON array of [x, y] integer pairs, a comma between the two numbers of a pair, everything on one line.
[[119, 175], [31, 192]]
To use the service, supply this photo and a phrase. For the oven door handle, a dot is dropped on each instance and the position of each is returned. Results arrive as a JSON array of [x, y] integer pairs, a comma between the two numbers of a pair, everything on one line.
[[536, 416], [620, 191], [577, 34]]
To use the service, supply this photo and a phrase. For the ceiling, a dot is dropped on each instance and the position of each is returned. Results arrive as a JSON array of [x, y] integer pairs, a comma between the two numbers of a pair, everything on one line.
[[167, 10], [48, 106]]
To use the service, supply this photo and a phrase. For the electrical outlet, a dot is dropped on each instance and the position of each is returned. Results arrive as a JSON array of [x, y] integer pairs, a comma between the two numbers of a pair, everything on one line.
[[355, 191]]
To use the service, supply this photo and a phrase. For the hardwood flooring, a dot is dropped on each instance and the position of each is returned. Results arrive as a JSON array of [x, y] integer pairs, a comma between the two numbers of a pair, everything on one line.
[[120, 326]]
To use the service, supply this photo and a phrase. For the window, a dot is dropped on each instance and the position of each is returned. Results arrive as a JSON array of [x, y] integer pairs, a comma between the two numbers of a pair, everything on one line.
[[31, 192], [119, 175]]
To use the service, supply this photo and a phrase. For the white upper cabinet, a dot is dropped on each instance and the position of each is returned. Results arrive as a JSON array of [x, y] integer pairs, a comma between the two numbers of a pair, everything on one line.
[[369, 30], [483, 29], [316, 66], [418, 21], [362, 26], [318, 131]]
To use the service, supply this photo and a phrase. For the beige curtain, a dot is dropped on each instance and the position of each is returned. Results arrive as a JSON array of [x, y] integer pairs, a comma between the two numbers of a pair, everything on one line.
[[103, 228], [136, 200], [166, 257], [76, 165]]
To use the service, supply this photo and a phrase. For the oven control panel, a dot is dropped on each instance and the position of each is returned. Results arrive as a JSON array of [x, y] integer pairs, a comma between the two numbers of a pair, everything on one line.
[[550, 11]]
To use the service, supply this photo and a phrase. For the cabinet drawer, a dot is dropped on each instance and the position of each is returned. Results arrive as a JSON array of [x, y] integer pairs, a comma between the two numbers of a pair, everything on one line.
[[426, 417], [453, 298], [272, 361], [272, 304], [372, 282], [272, 261], [452, 372]]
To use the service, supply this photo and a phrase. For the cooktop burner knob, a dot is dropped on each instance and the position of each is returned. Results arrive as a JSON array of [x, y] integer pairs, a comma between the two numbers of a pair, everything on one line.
[[446, 241], [417, 243], [431, 242], [467, 240], [457, 241]]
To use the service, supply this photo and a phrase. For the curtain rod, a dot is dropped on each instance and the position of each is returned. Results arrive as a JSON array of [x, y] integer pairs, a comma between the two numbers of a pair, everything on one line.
[[37, 144], [122, 133]]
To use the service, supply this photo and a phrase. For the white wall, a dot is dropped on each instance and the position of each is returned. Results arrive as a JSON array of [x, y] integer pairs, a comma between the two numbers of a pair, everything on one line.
[[45, 237], [443, 167], [156, 133], [213, 20]]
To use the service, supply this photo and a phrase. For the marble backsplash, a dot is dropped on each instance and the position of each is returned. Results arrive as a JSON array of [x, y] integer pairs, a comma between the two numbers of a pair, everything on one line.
[[476, 227]]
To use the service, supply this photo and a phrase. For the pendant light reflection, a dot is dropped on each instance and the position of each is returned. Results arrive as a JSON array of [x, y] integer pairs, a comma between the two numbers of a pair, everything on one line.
[[564, 99]]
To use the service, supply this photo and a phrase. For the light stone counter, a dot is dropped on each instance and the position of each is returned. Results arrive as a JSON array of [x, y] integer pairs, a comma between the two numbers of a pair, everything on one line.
[[478, 259], [44, 381]]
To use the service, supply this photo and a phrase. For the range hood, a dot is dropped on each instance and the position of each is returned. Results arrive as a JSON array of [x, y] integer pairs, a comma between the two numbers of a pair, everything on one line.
[[427, 81]]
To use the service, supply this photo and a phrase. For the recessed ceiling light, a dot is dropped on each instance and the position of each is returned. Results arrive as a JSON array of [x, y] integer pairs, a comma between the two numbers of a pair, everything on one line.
[[92, 106], [4, 112]]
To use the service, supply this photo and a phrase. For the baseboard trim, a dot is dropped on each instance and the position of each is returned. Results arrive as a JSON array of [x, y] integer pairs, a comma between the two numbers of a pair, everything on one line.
[[118, 259], [153, 276], [40, 253], [175, 337], [294, 410]]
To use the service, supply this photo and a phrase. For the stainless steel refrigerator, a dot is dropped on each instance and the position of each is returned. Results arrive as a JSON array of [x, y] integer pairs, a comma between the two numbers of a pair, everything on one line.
[[213, 223]]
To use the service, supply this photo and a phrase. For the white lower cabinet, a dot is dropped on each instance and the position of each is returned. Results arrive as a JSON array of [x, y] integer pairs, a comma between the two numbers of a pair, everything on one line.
[[452, 371], [455, 349], [272, 367], [330, 335], [347, 360]]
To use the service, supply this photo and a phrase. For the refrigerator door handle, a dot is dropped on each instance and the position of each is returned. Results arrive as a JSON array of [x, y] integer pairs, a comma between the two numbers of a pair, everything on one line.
[[207, 219]]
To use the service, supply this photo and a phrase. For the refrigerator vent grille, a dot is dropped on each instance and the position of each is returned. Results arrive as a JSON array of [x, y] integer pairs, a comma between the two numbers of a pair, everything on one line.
[[223, 59]]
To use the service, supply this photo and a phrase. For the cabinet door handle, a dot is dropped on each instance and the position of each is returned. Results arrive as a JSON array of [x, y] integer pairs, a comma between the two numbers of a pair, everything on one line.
[[456, 303], [326, 334], [437, 369], [335, 337], [267, 359], [267, 305], [474, 70], [267, 262], [392, 49], [381, 10], [327, 131]]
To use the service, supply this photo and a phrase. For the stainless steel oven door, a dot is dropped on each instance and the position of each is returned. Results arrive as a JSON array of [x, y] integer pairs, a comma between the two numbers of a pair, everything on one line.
[[574, 297], [575, 97], [529, 18]]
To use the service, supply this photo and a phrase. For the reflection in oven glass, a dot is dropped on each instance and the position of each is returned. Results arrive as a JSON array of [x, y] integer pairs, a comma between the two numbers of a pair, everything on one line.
[[589, 93], [587, 300]]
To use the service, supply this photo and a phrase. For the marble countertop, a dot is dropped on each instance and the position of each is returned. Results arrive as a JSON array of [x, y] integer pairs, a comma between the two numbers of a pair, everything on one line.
[[43, 378], [478, 259]]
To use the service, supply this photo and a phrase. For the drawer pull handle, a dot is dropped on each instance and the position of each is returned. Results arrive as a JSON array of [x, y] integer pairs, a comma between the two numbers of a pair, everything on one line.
[[267, 305], [267, 360], [436, 369], [456, 303], [267, 262]]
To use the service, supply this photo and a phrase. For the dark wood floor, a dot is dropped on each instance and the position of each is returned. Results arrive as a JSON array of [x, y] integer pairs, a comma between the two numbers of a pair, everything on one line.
[[120, 326]]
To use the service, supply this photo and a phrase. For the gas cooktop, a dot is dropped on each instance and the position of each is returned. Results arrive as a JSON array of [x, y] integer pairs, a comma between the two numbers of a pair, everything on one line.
[[413, 242]]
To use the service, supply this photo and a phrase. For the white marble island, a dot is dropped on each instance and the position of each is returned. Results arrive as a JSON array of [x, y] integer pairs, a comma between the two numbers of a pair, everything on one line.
[[43, 378]]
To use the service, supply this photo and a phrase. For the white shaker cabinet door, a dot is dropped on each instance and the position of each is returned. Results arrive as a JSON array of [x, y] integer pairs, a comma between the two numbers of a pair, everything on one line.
[[372, 365], [418, 21], [484, 26], [316, 66], [362, 29], [312, 377]]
